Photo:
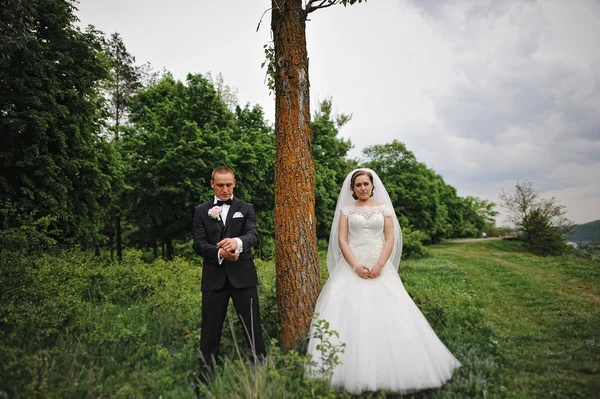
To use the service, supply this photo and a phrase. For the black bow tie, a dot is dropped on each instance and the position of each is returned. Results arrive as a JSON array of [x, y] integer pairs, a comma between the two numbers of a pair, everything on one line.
[[220, 203]]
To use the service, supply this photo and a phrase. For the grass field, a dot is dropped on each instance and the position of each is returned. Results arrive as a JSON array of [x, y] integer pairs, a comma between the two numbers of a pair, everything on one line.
[[523, 326], [545, 313]]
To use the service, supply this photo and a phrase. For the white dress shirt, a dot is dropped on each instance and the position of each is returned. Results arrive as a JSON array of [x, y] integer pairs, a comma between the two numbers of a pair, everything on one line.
[[224, 212]]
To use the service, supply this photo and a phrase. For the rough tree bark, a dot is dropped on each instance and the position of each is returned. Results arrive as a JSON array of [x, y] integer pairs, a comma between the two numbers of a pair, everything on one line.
[[297, 262]]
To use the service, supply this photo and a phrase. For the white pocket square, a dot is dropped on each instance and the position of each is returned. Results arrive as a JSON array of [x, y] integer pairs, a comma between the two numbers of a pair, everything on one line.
[[238, 215]]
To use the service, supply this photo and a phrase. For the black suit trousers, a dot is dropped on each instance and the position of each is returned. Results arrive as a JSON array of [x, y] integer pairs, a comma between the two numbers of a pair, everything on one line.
[[214, 311]]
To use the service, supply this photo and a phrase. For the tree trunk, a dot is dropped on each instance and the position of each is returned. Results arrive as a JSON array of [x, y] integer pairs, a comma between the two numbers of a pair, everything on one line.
[[169, 242], [118, 237], [155, 249], [297, 262]]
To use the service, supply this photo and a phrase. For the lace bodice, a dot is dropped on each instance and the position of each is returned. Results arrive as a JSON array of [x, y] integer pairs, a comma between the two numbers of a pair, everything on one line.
[[365, 230]]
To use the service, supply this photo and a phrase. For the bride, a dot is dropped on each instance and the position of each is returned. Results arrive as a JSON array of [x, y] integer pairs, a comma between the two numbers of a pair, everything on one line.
[[389, 343]]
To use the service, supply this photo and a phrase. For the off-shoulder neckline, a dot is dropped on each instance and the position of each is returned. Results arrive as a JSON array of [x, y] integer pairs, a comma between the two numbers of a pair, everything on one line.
[[366, 206]]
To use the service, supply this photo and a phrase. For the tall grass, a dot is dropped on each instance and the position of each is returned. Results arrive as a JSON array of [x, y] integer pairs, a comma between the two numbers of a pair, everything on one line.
[[75, 326]]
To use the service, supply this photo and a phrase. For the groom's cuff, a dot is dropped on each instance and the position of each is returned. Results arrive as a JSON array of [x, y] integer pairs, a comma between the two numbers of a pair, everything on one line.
[[240, 247], [219, 256]]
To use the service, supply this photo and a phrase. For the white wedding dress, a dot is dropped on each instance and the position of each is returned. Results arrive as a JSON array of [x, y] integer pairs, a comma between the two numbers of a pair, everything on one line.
[[389, 343]]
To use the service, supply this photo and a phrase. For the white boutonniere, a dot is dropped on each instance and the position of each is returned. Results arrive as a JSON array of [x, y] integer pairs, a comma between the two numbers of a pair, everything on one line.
[[215, 212]]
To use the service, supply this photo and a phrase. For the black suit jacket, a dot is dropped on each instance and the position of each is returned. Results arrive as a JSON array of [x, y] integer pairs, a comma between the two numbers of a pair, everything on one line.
[[208, 232]]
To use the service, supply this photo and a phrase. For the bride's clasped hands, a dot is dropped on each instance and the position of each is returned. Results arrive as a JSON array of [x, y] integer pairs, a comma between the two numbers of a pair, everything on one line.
[[366, 272]]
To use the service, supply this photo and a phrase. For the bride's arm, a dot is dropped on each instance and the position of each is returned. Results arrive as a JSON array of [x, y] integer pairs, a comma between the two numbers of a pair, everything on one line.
[[386, 252], [361, 270]]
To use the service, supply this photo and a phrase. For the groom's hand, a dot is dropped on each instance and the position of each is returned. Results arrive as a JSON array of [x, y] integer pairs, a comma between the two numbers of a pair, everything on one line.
[[228, 255], [227, 244]]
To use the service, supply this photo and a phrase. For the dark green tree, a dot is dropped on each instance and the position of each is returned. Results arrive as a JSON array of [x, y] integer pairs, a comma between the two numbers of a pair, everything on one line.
[[455, 207], [479, 213], [53, 157], [253, 160], [331, 166], [124, 82], [540, 222], [413, 188], [180, 133]]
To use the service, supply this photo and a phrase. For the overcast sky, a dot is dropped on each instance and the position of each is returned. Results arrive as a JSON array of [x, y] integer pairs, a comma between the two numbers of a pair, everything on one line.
[[486, 93]]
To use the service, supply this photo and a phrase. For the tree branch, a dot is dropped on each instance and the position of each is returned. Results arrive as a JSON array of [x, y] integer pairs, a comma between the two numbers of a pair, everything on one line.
[[310, 7], [261, 17]]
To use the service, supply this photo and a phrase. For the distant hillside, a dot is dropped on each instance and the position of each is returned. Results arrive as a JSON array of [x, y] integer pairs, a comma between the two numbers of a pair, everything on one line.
[[588, 233]]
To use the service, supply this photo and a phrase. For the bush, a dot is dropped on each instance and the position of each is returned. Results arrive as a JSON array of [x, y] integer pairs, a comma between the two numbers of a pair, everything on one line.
[[541, 222], [265, 248], [412, 244], [76, 325], [23, 233], [541, 237]]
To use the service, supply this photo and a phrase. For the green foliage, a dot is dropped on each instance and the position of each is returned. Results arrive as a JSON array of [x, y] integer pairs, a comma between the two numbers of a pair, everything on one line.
[[328, 347], [331, 166], [541, 222], [413, 188], [281, 376], [423, 200], [124, 81], [24, 233], [180, 133], [540, 236], [412, 244], [253, 159], [50, 116], [227, 94], [75, 325], [269, 62], [476, 216]]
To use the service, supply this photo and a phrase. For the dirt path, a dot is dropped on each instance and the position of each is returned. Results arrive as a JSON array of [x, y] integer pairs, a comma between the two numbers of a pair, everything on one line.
[[460, 240]]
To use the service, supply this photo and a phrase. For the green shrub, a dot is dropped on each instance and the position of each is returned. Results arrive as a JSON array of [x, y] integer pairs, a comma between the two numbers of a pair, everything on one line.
[[541, 237], [80, 326], [265, 248], [24, 233], [412, 244], [280, 376]]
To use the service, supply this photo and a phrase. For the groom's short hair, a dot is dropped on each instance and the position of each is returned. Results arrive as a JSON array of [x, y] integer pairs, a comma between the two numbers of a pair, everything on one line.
[[222, 170]]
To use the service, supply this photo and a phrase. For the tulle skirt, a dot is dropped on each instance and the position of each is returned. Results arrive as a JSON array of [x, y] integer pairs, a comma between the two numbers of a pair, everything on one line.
[[389, 343]]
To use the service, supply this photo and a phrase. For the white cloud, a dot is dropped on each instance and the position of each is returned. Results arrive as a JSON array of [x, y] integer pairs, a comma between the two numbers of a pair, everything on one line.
[[484, 92]]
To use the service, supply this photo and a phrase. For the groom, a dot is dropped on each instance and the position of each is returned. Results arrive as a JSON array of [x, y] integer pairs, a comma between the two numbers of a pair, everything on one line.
[[224, 231]]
